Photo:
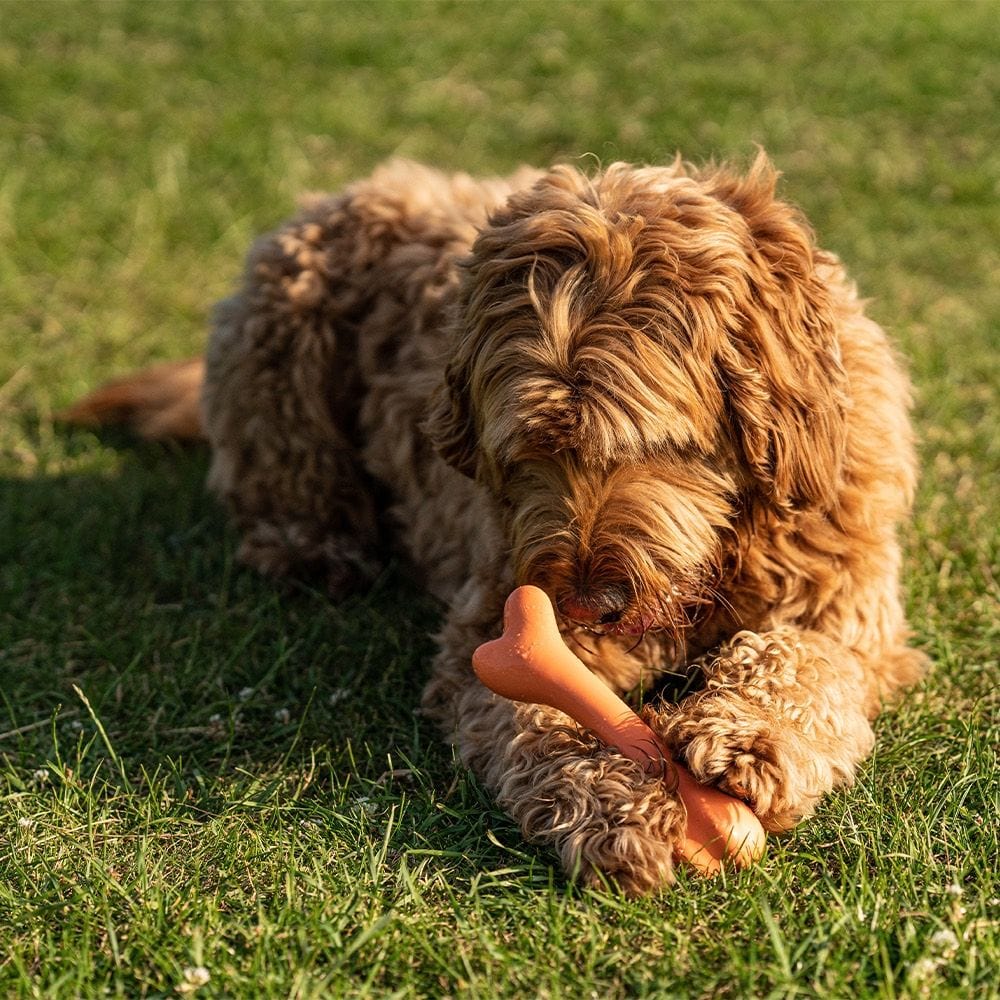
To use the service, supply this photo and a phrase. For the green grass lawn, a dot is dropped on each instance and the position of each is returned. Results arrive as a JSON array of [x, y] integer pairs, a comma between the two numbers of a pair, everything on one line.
[[214, 785]]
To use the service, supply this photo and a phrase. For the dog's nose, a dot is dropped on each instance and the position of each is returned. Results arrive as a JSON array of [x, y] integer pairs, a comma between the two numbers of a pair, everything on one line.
[[605, 606]]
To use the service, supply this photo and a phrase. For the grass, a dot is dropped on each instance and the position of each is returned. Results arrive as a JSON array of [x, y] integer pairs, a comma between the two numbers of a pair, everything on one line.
[[205, 775]]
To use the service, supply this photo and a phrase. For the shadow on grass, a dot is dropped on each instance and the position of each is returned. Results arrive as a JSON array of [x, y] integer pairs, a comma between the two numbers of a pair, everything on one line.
[[117, 578]]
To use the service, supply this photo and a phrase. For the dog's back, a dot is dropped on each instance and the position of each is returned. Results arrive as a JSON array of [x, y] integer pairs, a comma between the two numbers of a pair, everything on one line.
[[317, 375]]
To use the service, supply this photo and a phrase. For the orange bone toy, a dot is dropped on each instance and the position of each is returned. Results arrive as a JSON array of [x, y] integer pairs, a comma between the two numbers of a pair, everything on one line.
[[530, 662]]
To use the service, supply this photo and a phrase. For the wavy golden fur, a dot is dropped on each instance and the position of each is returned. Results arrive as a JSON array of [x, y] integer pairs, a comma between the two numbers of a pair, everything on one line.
[[654, 397]]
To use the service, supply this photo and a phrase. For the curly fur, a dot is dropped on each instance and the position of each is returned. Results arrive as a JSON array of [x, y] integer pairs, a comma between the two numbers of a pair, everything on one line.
[[646, 391]]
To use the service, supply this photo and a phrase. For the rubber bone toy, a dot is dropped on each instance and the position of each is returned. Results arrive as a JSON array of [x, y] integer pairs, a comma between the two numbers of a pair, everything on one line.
[[530, 662]]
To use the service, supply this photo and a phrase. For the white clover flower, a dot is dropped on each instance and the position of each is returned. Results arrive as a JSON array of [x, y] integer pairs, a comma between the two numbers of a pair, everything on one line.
[[944, 941], [283, 715], [924, 968], [41, 775], [194, 977]]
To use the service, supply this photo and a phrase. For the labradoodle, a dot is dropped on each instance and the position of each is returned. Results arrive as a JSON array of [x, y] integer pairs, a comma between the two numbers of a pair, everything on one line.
[[646, 391]]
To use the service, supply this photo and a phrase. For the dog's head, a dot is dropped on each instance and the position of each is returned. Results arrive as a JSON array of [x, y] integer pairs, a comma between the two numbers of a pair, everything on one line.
[[642, 357]]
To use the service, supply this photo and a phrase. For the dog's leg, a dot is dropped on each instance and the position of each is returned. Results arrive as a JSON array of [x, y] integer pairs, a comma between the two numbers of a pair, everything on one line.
[[300, 500], [280, 399], [603, 815], [783, 719]]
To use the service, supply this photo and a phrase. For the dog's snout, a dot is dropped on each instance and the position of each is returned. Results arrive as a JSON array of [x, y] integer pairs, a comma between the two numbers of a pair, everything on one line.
[[603, 606]]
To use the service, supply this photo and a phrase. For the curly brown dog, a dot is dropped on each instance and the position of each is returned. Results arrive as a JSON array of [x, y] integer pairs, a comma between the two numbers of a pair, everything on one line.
[[647, 392]]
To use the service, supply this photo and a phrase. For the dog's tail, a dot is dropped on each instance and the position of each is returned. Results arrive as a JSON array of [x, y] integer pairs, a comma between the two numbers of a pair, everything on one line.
[[160, 402]]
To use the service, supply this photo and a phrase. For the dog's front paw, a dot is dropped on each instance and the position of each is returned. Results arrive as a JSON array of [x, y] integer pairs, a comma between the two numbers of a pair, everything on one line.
[[780, 723], [608, 820], [748, 755]]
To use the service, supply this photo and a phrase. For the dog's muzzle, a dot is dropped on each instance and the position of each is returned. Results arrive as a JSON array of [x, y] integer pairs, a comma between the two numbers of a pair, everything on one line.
[[609, 610], [604, 606]]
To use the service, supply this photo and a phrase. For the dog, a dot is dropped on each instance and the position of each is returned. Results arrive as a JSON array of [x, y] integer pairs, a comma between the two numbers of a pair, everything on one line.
[[645, 390]]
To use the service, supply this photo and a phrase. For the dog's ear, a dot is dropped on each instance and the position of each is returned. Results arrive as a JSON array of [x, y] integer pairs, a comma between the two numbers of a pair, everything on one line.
[[450, 425], [780, 365]]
